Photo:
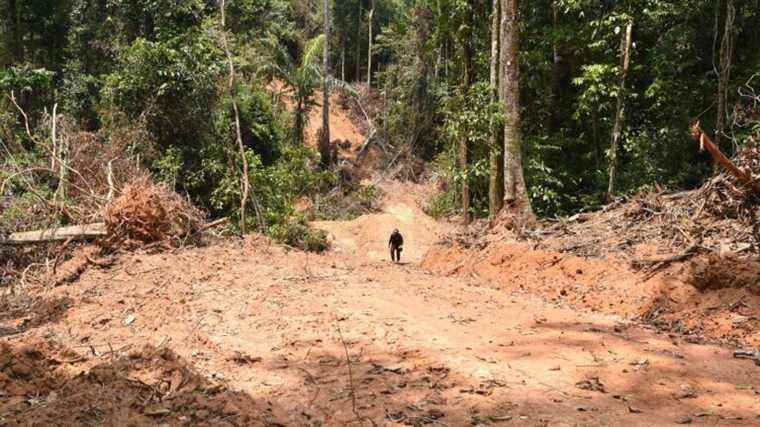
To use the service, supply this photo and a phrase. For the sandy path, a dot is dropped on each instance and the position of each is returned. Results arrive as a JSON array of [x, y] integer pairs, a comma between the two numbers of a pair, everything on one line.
[[366, 238], [423, 348]]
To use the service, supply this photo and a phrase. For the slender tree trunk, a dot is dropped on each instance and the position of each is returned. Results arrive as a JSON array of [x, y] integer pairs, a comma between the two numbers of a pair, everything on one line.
[[299, 121], [369, 44], [422, 26], [554, 96], [17, 48], [496, 181], [438, 60], [625, 58], [724, 73], [324, 143], [595, 135], [446, 59], [515, 190], [246, 189], [358, 76], [466, 81], [343, 59]]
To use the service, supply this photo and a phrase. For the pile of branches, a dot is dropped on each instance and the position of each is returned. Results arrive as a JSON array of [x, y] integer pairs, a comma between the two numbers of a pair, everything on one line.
[[721, 216], [149, 213]]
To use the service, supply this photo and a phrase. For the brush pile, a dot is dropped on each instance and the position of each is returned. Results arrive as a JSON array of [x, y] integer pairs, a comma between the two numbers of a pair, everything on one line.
[[150, 213], [721, 216]]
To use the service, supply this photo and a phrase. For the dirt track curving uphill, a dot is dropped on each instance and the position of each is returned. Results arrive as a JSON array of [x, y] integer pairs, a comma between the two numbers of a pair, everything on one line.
[[249, 333]]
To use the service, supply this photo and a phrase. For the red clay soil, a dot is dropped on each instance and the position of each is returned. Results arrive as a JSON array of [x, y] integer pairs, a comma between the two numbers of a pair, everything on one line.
[[708, 297], [245, 332], [342, 126]]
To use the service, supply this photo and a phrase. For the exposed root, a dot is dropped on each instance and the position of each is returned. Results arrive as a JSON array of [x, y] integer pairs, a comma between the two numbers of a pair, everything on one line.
[[147, 213]]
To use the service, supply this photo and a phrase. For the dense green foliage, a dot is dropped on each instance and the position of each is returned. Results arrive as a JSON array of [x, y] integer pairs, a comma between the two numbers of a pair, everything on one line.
[[569, 83], [158, 66]]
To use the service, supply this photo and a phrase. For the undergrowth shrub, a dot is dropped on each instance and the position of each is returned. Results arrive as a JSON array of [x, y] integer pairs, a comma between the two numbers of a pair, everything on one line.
[[297, 233], [339, 206], [441, 204]]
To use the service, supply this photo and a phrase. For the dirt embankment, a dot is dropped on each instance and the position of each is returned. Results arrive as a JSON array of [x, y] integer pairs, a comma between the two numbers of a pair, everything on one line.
[[686, 262], [705, 297]]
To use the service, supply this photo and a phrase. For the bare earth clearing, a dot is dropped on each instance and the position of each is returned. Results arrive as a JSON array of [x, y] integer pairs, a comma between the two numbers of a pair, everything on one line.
[[248, 333]]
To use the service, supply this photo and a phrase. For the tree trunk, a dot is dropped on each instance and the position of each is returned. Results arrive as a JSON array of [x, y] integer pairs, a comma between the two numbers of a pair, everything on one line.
[[324, 143], [466, 81], [17, 48], [554, 96], [358, 76], [595, 135], [57, 234], [343, 59], [515, 190], [422, 24], [724, 73], [496, 181], [246, 189], [369, 44], [625, 58], [299, 119]]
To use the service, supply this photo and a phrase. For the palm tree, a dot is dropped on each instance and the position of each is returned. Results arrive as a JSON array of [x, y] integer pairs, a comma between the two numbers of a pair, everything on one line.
[[301, 77]]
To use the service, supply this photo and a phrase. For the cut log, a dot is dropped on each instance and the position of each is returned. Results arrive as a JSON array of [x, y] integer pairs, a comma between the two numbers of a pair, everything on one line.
[[75, 232], [59, 234], [706, 143]]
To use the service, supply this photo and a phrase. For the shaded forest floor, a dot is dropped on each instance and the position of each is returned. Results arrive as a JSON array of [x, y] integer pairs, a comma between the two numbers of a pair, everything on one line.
[[246, 332]]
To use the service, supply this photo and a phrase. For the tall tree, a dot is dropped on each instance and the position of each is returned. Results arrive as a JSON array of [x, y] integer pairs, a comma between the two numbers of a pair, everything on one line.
[[343, 58], [466, 35], [496, 181], [324, 137], [17, 49], [515, 190], [625, 59], [369, 44], [556, 77], [358, 75]]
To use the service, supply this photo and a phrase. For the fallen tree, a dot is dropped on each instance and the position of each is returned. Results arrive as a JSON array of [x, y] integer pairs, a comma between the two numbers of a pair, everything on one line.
[[705, 142], [58, 234]]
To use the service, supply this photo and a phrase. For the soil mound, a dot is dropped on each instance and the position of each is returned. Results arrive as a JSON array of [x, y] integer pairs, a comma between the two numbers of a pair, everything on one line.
[[707, 298], [687, 262]]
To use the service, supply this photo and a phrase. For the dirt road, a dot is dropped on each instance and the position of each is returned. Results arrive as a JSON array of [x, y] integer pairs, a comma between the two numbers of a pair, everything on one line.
[[279, 326]]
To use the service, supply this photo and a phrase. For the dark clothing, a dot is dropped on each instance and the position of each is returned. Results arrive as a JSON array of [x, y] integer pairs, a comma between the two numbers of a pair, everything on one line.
[[396, 253], [396, 239], [396, 244]]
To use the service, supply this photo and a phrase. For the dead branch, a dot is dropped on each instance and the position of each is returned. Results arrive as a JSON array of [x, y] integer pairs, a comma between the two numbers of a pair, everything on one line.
[[352, 390], [706, 143], [753, 355], [214, 223], [109, 177], [26, 118], [370, 134], [662, 261], [245, 179]]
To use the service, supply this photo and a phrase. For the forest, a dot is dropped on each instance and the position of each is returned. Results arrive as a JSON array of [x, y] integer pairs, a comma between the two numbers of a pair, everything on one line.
[[590, 100], [196, 198]]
